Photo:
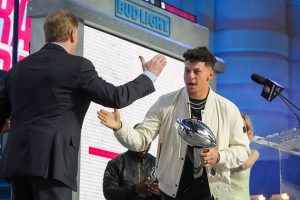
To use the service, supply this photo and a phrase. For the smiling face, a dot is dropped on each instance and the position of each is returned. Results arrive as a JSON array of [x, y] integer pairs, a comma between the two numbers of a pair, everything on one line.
[[196, 78]]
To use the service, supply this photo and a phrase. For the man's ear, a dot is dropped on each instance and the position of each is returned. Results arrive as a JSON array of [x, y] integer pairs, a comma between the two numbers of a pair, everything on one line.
[[211, 75], [72, 36]]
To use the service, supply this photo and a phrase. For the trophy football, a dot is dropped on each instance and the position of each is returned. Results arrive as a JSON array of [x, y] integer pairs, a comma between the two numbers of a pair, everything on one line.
[[198, 135]]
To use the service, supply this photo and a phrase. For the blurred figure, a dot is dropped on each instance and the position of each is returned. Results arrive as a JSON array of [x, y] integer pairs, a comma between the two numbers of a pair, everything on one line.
[[6, 126], [240, 176], [179, 167], [131, 176], [47, 95]]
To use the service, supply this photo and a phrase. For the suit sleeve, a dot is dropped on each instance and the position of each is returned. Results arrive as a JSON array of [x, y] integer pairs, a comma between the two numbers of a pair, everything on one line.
[[4, 105], [111, 188], [107, 94]]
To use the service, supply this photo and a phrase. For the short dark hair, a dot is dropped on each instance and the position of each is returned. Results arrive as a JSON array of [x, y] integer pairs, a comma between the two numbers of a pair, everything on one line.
[[201, 54]]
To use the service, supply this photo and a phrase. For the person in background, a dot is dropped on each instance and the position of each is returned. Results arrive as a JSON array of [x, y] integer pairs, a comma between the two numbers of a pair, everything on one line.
[[47, 95], [131, 176], [240, 176], [180, 168], [6, 126]]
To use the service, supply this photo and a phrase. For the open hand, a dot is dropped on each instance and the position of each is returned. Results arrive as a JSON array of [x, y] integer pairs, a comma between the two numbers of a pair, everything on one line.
[[110, 119], [155, 65]]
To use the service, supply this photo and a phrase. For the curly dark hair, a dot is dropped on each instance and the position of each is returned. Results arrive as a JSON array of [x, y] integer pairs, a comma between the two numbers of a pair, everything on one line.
[[201, 54]]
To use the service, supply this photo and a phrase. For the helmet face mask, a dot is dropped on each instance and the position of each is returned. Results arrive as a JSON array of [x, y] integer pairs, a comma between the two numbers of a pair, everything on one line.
[[196, 133]]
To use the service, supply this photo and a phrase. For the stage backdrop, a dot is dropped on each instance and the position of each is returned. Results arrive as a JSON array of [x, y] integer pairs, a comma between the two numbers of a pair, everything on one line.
[[117, 61]]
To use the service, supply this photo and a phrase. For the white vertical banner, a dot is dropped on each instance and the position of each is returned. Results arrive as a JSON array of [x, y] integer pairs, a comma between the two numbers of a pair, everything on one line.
[[116, 60]]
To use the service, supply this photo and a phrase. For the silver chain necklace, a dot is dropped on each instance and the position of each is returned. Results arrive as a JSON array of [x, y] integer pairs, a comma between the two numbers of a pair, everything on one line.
[[197, 106]]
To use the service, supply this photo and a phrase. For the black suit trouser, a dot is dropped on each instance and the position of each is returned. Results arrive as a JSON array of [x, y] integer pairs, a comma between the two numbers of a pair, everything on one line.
[[37, 188]]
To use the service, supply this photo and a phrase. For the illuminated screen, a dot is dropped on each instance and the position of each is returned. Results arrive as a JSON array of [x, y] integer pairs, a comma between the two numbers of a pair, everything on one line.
[[6, 32], [116, 60]]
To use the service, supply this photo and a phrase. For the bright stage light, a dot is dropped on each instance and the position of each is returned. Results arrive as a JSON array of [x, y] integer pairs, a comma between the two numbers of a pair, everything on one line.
[[283, 196], [258, 197]]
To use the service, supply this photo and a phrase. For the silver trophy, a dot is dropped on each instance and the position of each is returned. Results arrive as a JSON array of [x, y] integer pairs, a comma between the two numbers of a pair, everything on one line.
[[198, 135]]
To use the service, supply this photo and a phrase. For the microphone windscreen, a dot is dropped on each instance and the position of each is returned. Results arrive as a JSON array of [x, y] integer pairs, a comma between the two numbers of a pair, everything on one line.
[[258, 79]]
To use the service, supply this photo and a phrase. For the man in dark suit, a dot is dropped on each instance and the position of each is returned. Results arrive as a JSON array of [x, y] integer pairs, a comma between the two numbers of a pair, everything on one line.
[[47, 95]]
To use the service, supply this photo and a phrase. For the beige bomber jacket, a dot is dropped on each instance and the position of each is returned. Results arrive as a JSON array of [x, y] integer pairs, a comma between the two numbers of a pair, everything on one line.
[[221, 115]]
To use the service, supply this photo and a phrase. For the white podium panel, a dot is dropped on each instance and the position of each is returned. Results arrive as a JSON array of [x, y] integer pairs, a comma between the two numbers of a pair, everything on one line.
[[288, 145]]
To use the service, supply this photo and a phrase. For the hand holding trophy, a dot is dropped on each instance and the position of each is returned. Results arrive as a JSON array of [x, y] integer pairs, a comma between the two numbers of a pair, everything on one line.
[[198, 135]]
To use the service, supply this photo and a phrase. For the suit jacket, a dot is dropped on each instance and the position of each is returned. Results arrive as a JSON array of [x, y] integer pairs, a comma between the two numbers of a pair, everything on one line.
[[47, 95]]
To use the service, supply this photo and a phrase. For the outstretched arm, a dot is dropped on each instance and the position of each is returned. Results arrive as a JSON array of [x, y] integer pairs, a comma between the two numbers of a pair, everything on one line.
[[134, 139], [107, 94]]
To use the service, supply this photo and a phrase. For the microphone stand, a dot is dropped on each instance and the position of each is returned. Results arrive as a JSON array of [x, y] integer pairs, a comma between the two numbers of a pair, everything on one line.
[[283, 97], [288, 103]]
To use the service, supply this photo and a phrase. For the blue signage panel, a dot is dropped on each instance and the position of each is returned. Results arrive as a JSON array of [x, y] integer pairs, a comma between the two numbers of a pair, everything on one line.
[[143, 16]]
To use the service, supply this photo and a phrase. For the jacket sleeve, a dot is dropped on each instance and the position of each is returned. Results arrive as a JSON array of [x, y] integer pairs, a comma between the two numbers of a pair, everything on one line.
[[4, 105], [139, 139], [107, 94], [111, 187], [238, 151]]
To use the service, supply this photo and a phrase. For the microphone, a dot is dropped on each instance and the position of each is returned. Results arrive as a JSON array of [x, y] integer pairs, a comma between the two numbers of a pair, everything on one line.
[[272, 89], [258, 79]]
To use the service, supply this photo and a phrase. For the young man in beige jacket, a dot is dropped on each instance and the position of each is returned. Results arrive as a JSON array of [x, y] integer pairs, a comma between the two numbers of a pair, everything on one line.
[[175, 166]]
